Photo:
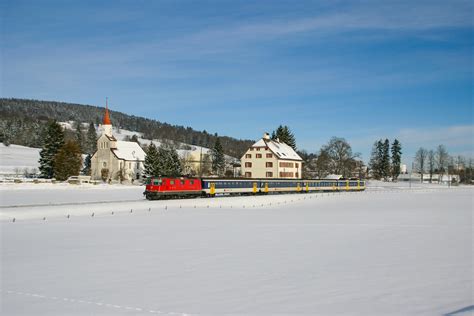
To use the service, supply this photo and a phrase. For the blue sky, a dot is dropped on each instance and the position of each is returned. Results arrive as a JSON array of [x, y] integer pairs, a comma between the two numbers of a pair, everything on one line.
[[361, 70]]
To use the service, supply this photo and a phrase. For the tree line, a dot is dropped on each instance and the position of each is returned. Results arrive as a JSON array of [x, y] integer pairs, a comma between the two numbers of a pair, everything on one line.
[[438, 162], [20, 118]]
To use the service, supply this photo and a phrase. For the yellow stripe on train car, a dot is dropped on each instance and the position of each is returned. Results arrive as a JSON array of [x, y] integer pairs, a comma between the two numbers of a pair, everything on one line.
[[255, 187]]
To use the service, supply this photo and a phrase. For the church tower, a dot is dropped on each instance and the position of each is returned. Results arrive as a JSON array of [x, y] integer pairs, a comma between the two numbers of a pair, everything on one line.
[[106, 124]]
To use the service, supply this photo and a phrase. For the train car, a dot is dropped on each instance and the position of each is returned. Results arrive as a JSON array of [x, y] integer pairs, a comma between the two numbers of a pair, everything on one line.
[[213, 186], [159, 188]]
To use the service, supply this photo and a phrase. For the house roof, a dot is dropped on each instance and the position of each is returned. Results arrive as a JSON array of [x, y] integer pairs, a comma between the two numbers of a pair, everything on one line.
[[281, 150], [129, 151]]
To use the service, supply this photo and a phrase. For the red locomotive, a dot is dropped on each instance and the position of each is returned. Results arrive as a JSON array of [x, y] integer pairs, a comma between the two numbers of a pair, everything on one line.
[[157, 188]]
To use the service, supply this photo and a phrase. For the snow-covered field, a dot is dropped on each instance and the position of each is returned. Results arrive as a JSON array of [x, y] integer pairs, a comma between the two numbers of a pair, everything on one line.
[[389, 251]]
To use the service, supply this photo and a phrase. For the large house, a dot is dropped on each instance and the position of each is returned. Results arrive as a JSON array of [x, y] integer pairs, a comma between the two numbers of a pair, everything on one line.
[[269, 158], [116, 160]]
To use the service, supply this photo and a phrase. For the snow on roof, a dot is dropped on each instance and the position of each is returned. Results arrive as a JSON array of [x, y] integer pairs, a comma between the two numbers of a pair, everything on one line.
[[333, 177], [129, 151], [282, 150]]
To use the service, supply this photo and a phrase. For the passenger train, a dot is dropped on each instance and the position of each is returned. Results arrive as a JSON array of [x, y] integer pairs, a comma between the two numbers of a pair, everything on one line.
[[166, 188]]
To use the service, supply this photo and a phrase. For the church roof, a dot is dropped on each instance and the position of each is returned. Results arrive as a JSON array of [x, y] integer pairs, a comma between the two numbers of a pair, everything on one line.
[[281, 150], [129, 151]]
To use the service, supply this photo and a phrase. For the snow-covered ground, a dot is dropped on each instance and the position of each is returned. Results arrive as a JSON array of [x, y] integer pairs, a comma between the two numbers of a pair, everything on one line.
[[380, 252]]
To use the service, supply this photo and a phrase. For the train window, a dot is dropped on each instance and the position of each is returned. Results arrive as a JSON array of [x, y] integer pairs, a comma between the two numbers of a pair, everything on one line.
[[191, 182], [157, 182], [171, 182], [182, 182]]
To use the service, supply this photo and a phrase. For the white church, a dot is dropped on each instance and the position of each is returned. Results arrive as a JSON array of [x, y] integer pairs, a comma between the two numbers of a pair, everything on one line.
[[116, 159]]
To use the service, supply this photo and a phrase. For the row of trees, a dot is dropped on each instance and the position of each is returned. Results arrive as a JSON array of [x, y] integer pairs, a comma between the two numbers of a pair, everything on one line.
[[164, 161], [438, 161], [385, 161]]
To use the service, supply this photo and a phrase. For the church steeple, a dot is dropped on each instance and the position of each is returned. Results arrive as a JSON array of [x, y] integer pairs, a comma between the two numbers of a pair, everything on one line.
[[106, 116], [107, 125]]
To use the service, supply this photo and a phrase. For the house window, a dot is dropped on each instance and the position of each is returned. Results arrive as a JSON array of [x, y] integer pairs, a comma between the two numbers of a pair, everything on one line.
[[251, 148], [296, 175], [248, 156], [269, 164], [296, 165], [248, 175], [269, 155], [286, 174], [248, 165], [286, 165], [258, 156], [269, 174], [258, 148], [104, 164]]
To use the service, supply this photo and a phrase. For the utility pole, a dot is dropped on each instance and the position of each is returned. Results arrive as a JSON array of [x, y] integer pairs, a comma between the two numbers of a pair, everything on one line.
[[200, 164]]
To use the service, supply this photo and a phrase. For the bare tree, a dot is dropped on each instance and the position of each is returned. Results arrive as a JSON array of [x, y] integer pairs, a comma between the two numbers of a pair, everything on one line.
[[442, 159], [431, 164], [341, 156], [420, 161]]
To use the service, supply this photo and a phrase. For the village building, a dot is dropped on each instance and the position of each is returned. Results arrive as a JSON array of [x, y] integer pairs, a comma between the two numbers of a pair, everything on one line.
[[116, 160], [271, 159]]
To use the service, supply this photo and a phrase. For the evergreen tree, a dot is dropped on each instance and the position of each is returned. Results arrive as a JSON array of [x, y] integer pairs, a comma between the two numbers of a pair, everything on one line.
[[396, 159], [53, 141], [151, 162], [67, 161], [217, 157], [168, 163], [385, 161], [87, 165], [91, 139], [375, 160], [79, 136], [174, 162], [284, 135]]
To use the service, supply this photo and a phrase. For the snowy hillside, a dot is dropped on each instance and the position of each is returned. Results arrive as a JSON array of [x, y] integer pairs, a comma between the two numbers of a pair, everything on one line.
[[14, 159], [380, 252]]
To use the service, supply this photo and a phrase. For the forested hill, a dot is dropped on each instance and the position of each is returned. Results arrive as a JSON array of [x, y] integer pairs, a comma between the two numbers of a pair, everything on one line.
[[21, 118]]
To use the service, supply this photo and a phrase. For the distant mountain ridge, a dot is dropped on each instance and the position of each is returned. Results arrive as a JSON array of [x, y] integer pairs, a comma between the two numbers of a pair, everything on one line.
[[22, 116]]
